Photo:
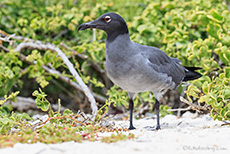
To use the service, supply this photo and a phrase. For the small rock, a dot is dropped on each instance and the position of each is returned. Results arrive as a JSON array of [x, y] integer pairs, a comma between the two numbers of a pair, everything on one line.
[[207, 117], [189, 115]]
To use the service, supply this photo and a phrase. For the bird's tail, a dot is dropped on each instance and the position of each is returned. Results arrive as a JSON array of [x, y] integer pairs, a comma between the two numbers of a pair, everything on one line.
[[191, 74]]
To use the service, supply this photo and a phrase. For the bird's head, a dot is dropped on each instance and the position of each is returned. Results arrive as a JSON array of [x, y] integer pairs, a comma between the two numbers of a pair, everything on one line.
[[112, 23]]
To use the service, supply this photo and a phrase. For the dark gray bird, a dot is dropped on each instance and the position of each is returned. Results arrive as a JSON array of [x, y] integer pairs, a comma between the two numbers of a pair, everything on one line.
[[138, 68]]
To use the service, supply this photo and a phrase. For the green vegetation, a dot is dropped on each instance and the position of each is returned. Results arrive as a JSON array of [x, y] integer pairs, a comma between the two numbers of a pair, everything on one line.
[[195, 31], [57, 128]]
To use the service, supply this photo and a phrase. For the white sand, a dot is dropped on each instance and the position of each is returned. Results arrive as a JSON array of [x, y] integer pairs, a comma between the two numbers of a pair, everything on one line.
[[188, 134]]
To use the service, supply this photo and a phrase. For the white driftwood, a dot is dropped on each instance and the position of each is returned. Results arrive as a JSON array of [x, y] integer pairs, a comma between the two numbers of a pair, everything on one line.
[[27, 103], [42, 46]]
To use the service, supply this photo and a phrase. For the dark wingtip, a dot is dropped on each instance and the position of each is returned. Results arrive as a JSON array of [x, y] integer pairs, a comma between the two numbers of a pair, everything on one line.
[[193, 68], [191, 74]]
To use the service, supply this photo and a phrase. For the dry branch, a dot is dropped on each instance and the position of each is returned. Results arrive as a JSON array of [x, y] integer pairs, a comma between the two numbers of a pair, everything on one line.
[[191, 106], [64, 78], [180, 109], [4, 48], [194, 106], [42, 46], [52, 70], [71, 83], [60, 76], [24, 104], [96, 66]]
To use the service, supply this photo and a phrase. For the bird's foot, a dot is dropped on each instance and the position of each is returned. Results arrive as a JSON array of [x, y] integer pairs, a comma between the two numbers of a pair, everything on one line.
[[158, 127], [131, 127]]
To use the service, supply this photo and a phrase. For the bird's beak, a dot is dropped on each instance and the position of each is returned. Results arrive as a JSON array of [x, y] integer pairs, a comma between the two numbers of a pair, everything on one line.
[[88, 25]]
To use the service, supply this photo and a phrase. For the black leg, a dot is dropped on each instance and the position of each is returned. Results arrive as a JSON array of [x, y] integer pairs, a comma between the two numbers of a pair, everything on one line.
[[157, 106], [131, 114]]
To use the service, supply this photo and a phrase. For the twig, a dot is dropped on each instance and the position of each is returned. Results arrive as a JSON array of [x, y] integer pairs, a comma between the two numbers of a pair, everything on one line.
[[225, 123], [84, 57], [42, 46], [71, 83], [96, 66], [193, 106], [180, 109], [6, 38], [67, 91], [4, 48], [101, 116], [60, 76], [22, 103], [60, 34]]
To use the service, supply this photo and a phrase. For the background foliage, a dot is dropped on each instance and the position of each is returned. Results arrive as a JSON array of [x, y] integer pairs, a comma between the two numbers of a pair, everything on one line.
[[195, 31]]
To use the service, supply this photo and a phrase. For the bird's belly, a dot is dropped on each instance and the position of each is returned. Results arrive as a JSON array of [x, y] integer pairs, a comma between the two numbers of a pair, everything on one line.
[[136, 82]]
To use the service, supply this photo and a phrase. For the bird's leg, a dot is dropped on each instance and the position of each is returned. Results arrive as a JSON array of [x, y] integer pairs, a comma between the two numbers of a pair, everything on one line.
[[131, 114], [157, 106]]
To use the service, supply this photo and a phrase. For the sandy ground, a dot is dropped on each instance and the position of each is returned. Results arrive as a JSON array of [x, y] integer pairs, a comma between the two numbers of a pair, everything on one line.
[[188, 134]]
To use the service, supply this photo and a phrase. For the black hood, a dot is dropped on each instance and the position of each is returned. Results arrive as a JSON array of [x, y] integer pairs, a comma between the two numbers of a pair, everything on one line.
[[112, 23]]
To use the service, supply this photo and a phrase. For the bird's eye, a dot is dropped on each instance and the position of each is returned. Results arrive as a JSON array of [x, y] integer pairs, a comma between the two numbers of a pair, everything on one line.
[[107, 19]]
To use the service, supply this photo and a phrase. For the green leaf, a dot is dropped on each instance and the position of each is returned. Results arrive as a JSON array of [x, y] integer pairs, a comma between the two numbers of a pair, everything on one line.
[[67, 112], [213, 29], [224, 53], [193, 90], [19, 116], [97, 83], [205, 87], [142, 28], [227, 115], [43, 105], [210, 100], [215, 16], [5, 121], [227, 72], [41, 101], [227, 93], [203, 99], [11, 96], [225, 39]]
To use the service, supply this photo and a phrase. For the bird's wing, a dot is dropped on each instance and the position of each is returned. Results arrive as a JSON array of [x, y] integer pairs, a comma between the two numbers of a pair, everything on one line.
[[176, 60], [163, 64]]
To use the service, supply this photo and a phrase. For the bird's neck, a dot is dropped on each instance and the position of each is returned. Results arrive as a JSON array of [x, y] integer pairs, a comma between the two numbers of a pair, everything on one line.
[[121, 44], [111, 36], [120, 41]]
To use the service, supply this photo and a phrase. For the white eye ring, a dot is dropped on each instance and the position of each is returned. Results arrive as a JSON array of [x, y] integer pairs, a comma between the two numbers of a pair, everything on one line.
[[107, 19]]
